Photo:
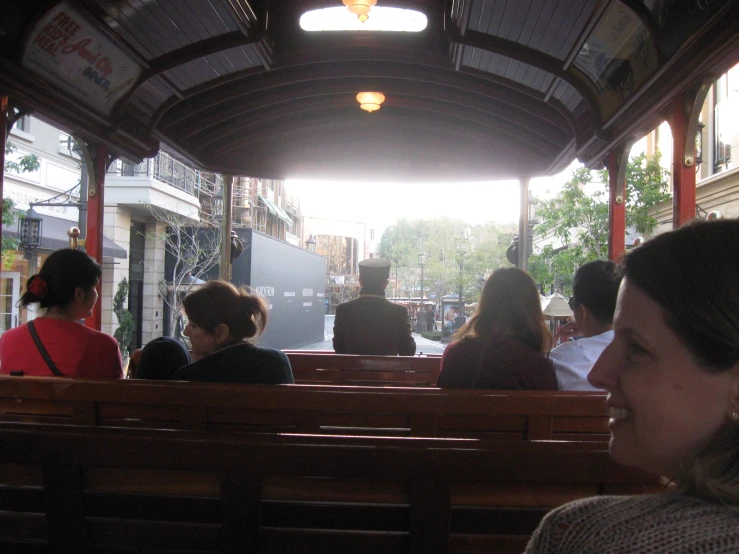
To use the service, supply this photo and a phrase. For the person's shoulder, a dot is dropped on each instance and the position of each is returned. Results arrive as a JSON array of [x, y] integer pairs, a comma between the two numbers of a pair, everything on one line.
[[668, 506], [13, 333], [465, 344], [268, 351], [397, 307], [566, 347], [98, 337]]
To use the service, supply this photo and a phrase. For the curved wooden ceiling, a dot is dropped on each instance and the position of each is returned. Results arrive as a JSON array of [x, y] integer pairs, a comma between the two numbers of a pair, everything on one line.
[[491, 89]]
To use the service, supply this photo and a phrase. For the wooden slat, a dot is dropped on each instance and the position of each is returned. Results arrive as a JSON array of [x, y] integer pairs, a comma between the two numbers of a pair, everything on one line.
[[521, 495], [325, 409], [22, 527], [479, 544], [148, 481], [179, 491], [150, 535], [430, 517], [64, 508], [153, 507], [242, 514], [336, 515], [280, 541], [496, 521]]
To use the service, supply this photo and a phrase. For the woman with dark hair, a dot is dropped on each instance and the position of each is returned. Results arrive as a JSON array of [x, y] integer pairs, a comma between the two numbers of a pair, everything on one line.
[[221, 320], [503, 346], [672, 376], [55, 343]]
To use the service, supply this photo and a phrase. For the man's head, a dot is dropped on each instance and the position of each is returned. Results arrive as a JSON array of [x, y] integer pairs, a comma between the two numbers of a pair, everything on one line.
[[594, 291], [374, 272]]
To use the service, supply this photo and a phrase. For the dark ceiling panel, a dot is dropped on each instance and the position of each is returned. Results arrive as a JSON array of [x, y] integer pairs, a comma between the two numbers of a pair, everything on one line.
[[503, 66], [486, 90], [150, 96], [583, 11]]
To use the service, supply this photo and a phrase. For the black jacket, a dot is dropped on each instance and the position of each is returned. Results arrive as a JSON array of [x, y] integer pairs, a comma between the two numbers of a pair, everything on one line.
[[240, 363], [372, 325]]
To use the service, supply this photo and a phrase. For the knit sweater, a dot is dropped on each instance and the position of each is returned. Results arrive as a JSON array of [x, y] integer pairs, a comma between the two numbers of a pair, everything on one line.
[[668, 523]]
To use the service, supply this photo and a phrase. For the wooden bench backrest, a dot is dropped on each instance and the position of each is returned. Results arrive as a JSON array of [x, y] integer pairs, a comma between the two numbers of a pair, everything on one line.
[[348, 369], [316, 409], [121, 490]]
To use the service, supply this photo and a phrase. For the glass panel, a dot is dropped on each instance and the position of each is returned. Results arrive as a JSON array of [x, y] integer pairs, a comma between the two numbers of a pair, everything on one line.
[[5, 322], [6, 304], [6, 287]]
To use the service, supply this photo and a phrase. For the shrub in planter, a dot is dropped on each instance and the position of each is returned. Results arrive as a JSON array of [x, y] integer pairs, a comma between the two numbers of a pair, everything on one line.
[[431, 335]]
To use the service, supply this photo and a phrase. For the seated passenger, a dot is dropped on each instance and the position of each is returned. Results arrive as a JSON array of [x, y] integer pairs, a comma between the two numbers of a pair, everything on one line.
[[65, 290], [221, 319], [594, 291], [503, 345], [672, 376], [160, 359]]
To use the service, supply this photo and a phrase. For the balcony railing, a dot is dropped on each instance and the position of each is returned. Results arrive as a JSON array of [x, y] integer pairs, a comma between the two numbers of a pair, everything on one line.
[[166, 169]]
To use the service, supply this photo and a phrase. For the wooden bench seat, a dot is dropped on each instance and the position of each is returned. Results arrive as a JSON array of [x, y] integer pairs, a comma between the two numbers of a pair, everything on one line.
[[82, 489], [348, 369], [315, 409]]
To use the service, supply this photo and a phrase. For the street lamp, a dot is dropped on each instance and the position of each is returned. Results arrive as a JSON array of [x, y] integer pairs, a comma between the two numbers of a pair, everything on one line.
[[422, 263], [421, 318], [29, 234], [310, 244], [217, 203], [462, 246]]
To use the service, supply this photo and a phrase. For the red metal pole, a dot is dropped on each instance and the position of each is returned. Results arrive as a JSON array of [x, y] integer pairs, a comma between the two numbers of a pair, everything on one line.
[[616, 206], [4, 125], [94, 237], [683, 177]]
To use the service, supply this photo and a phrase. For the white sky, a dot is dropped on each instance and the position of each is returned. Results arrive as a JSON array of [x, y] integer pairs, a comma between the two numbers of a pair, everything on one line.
[[381, 204]]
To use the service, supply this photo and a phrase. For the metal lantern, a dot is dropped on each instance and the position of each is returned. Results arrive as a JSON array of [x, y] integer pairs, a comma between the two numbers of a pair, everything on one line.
[[29, 230]]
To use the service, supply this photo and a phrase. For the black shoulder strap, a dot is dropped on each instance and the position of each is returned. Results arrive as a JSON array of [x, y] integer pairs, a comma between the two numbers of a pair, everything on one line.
[[44, 353]]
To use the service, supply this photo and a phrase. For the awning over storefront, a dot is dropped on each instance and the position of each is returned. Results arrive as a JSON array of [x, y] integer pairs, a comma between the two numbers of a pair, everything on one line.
[[54, 236], [274, 209]]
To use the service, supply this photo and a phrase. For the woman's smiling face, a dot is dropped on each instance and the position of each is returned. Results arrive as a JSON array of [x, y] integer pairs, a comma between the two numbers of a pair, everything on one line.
[[663, 404]]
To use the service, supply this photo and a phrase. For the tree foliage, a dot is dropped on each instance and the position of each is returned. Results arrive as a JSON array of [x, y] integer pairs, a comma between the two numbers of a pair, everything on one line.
[[126, 325], [439, 238], [194, 247], [576, 219], [24, 164]]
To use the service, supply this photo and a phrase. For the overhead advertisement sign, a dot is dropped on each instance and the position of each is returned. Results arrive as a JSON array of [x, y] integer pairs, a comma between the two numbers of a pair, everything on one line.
[[618, 57], [68, 52]]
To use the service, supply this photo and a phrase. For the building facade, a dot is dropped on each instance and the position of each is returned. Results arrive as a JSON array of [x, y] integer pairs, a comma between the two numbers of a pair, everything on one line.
[[139, 200]]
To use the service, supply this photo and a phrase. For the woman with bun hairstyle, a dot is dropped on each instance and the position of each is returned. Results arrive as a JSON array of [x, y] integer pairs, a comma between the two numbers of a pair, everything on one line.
[[65, 289], [221, 320]]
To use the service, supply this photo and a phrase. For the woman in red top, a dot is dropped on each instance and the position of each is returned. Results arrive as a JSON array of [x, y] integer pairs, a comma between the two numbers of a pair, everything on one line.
[[65, 289], [505, 344]]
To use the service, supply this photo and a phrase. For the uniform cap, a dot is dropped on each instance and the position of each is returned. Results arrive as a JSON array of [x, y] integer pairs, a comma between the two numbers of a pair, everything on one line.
[[374, 270]]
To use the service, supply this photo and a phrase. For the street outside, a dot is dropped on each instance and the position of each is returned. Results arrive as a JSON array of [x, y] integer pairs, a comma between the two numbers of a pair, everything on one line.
[[423, 346]]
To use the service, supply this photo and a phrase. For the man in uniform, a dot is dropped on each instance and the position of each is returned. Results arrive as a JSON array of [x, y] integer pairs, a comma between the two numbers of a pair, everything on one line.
[[371, 324]]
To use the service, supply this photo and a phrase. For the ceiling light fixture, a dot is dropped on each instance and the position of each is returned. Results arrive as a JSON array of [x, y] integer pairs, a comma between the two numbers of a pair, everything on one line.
[[370, 101], [360, 8]]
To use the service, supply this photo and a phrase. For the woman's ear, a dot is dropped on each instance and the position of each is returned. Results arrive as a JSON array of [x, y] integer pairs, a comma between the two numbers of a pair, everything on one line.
[[734, 394], [221, 333], [80, 294]]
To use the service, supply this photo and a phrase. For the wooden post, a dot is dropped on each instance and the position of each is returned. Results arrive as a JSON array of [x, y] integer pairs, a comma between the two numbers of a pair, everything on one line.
[[523, 225], [683, 166], [616, 164], [4, 125], [225, 265], [96, 157]]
